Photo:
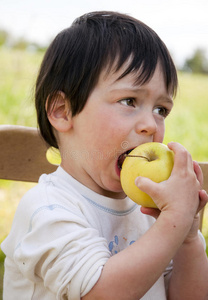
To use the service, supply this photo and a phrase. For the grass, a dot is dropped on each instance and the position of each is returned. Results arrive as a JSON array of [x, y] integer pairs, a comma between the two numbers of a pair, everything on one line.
[[187, 123], [18, 70]]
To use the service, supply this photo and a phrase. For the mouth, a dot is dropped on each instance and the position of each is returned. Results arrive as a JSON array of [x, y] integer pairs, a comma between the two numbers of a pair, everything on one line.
[[121, 158]]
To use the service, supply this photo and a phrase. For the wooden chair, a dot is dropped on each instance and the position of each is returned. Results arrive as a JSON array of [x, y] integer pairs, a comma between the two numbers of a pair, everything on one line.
[[23, 156], [204, 167]]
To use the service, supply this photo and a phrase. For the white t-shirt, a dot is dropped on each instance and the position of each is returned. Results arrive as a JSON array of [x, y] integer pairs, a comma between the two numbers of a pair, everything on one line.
[[62, 235]]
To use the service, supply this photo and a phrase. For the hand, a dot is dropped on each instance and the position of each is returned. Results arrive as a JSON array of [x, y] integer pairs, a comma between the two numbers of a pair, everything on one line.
[[203, 201], [203, 197], [181, 193]]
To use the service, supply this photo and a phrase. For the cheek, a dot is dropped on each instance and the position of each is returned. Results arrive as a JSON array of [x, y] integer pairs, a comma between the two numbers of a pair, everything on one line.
[[108, 126], [159, 135], [110, 138]]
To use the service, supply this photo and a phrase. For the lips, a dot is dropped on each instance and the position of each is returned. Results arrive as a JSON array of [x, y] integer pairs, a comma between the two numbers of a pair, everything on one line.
[[122, 157]]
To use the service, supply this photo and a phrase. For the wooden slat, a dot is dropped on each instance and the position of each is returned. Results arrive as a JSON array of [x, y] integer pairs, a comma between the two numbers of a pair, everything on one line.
[[204, 167], [22, 154]]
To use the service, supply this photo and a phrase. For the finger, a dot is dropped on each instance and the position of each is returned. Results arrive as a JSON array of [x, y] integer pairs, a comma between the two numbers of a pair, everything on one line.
[[198, 172], [203, 196], [148, 186], [153, 212], [182, 158]]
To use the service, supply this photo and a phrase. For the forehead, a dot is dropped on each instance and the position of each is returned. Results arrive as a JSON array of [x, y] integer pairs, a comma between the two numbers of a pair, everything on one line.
[[111, 76]]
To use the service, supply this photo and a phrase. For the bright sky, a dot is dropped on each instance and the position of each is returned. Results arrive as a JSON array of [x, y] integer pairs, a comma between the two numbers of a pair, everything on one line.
[[182, 24]]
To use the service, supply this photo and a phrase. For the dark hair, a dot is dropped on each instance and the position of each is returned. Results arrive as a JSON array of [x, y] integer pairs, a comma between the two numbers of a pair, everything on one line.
[[74, 60]]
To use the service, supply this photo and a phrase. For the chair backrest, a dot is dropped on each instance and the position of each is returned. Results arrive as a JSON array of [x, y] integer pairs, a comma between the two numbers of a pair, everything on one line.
[[204, 167], [23, 156]]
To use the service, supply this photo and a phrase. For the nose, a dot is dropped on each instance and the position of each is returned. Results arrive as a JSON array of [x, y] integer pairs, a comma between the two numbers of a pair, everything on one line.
[[146, 124]]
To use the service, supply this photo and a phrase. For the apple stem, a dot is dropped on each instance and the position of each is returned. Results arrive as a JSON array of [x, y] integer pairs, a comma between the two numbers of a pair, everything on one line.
[[129, 155]]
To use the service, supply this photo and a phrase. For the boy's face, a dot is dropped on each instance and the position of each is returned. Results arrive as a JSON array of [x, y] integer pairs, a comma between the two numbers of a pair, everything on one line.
[[117, 117]]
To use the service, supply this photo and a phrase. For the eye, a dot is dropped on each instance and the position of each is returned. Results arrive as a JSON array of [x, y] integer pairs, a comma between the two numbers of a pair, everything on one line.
[[162, 111], [128, 102]]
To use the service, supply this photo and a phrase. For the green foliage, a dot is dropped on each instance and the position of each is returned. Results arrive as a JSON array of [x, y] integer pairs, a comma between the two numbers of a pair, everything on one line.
[[198, 63], [1, 275], [21, 44], [2, 257], [18, 70], [8, 41], [187, 123], [3, 36]]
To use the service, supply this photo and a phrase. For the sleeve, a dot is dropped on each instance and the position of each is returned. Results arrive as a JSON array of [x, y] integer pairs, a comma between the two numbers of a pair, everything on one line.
[[167, 275], [62, 249]]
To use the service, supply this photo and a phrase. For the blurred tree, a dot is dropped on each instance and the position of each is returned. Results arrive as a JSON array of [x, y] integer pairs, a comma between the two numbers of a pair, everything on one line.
[[4, 35], [198, 63], [20, 44]]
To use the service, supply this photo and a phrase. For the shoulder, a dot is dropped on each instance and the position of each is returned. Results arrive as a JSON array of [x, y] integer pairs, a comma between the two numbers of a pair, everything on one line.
[[52, 198], [50, 204], [52, 189]]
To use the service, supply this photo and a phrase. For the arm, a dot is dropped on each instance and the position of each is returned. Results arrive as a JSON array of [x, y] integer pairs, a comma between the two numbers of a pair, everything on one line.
[[128, 275], [131, 273], [190, 267], [190, 270]]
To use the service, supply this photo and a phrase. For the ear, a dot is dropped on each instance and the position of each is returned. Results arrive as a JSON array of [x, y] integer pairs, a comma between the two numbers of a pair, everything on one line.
[[59, 112]]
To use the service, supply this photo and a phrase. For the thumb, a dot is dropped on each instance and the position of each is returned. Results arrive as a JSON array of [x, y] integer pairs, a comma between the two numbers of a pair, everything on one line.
[[147, 186]]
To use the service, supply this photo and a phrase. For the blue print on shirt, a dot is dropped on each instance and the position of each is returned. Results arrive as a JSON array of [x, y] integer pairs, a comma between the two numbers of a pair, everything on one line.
[[114, 245]]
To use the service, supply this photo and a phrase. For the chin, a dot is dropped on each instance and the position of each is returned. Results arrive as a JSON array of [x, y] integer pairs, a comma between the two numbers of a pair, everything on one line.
[[114, 191]]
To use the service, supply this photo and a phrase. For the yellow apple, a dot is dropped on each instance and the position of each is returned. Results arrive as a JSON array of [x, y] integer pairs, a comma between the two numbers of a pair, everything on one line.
[[152, 160]]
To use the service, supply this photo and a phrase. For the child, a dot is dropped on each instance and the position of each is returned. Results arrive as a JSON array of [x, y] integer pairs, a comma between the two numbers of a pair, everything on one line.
[[106, 86]]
